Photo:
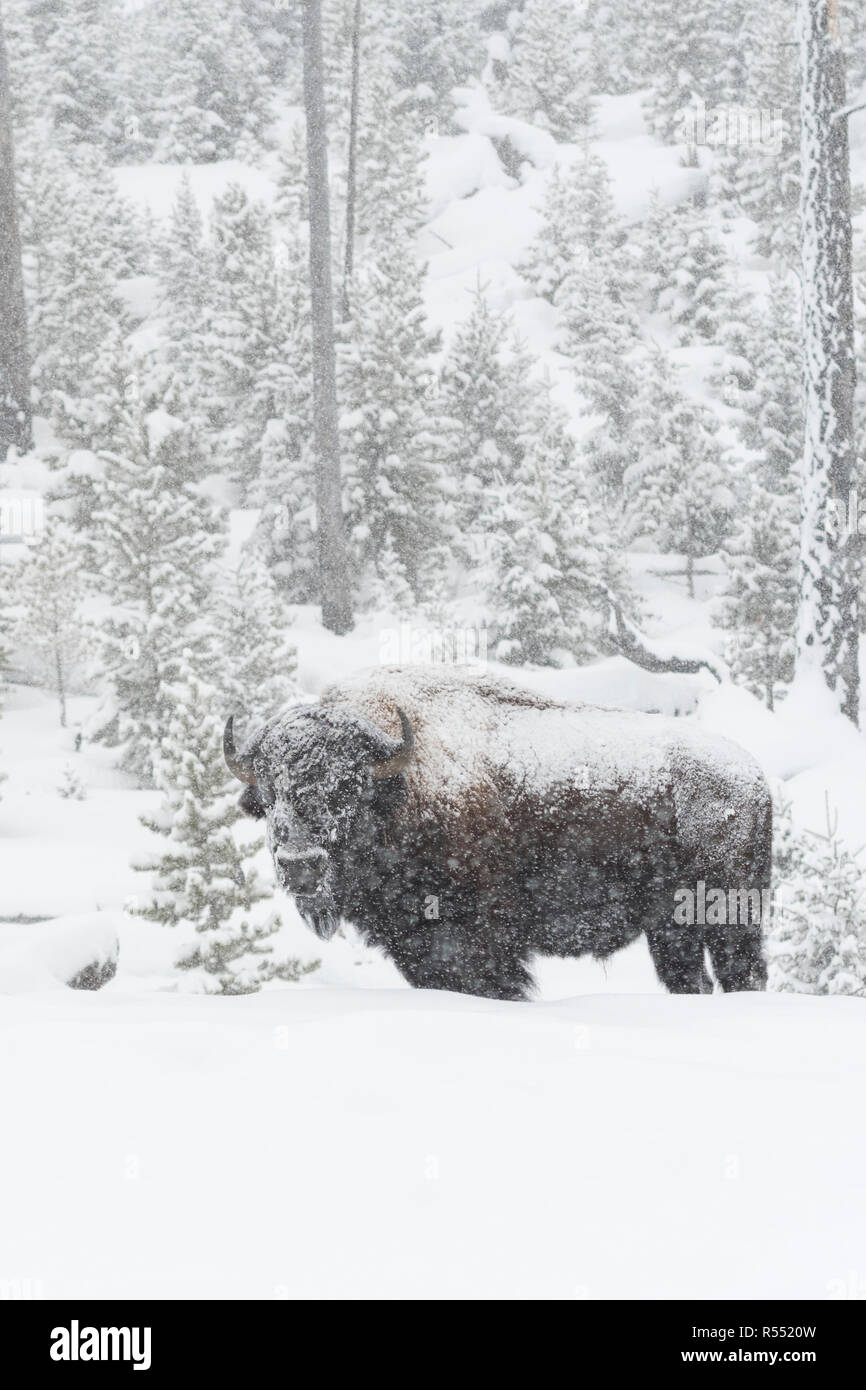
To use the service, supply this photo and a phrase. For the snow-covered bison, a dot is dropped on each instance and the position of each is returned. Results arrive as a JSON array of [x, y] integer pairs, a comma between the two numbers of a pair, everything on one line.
[[463, 824]]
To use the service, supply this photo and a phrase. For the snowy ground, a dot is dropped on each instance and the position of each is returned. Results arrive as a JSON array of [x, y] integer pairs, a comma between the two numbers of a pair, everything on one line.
[[385, 1143]]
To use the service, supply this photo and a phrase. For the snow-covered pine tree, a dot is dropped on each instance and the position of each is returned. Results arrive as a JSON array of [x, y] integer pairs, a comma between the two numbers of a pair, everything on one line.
[[243, 346], [776, 425], [579, 212], [487, 395], [760, 608], [616, 55], [390, 195], [392, 425], [762, 554], [154, 539], [72, 787], [76, 259], [436, 47], [655, 243], [600, 337], [767, 173], [275, 28], [205, 879], [209, 92], [49, 591], [259, 655], [548, 79], [549, 554], [285, 487], [186, 290], [681, 61], [818, 940], [83, 52], [676, 492], [697, 287]]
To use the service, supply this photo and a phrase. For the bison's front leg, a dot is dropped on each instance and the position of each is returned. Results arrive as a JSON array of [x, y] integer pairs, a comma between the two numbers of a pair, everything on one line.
[[678, 956], [441, 958]]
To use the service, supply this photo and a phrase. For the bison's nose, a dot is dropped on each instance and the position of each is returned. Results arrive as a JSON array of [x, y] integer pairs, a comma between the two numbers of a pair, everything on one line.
[[302, 873]]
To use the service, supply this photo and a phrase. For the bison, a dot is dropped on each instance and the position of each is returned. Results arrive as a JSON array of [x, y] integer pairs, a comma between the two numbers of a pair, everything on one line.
[[463, 824]]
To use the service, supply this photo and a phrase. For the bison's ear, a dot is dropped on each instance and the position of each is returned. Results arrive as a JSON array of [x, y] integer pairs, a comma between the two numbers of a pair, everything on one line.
[[251, 803]]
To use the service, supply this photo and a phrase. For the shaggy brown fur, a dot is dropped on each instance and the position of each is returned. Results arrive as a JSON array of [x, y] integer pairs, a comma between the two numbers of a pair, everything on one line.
[[520, 825]]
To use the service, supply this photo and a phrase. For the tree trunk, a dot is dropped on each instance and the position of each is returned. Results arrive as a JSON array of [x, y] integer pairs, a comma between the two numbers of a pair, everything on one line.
[[352, 171], [333, 564], [827, 627], [60, 682], [15, 415]]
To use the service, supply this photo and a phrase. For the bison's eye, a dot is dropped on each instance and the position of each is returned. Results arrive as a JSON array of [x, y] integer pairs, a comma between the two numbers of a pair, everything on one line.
[[251, 803]]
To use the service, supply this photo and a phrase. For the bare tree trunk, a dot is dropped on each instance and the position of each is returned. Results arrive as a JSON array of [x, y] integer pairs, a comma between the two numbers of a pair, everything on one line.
[[352, 172], [828, 620], [333, 563], [15, 416], [60, 681]]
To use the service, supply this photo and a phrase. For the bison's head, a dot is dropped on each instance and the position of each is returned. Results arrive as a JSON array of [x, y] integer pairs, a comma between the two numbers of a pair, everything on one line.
[[322, 776]]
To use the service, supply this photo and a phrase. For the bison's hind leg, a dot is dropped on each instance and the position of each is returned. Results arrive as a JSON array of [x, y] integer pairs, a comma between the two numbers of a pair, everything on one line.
[[738, 957], [678, 956]]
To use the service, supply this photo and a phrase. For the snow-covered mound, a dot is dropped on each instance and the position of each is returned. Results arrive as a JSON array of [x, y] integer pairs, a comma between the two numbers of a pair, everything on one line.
[[77, 951]]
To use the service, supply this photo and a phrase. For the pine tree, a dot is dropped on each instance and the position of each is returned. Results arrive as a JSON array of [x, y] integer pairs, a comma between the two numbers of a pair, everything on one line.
[[259, 653], [244, 344], [778, 416], [205, 879], [655, 241], [83, 55], [71, 233], [760, 607], [579, 214], [390, 196], [818, 941], [187, 281], [616, 46], [548, 553], [50, 592], [436, 47], [767, 180], [762, 555], [697, 285], [487, 394], [154, 541], [680, 56], [392, 427], [548, 78], [675, 493], [72, 788], [600, 336], [209, 94]]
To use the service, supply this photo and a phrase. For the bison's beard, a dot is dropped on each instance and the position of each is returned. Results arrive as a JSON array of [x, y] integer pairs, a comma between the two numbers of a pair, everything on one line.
[[320, 913]]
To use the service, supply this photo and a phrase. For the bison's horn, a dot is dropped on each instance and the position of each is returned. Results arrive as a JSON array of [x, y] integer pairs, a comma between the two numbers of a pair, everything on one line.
[[236, 763], [399, 754]]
